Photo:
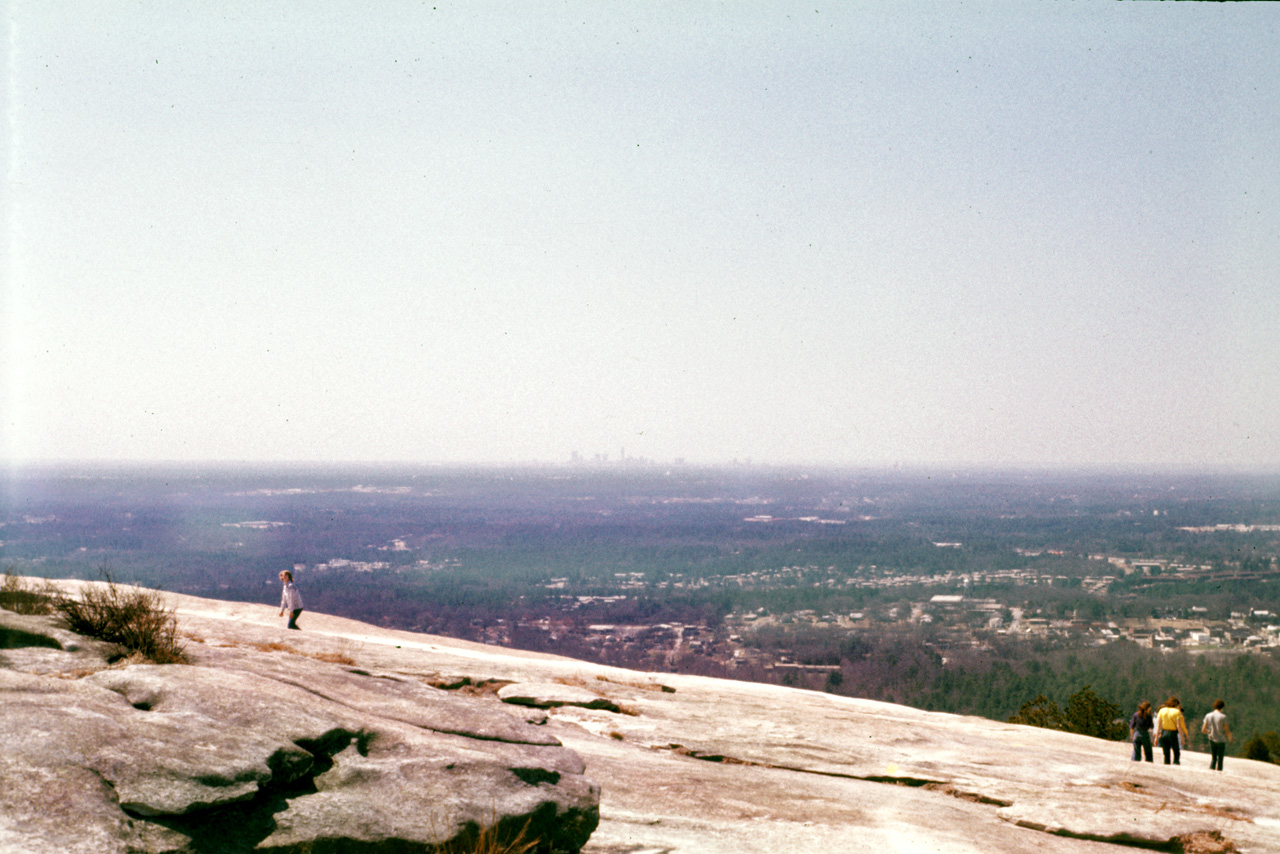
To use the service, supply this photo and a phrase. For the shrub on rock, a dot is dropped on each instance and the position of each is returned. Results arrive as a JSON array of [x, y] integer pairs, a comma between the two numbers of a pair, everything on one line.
[[135, 619], [23, 598]]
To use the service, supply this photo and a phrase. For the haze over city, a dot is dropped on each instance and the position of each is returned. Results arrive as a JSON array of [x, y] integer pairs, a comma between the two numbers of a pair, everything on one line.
[[856, 234]]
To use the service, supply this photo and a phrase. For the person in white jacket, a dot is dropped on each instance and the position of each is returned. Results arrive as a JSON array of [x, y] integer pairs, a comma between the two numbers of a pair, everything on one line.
[[290, 599]]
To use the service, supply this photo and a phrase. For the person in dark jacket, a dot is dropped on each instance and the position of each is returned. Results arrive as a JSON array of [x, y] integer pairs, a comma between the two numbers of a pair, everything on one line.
[[1140, 726]]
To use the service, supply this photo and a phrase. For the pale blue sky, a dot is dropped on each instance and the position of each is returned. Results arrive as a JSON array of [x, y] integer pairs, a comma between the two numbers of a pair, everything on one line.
[[979, 233]]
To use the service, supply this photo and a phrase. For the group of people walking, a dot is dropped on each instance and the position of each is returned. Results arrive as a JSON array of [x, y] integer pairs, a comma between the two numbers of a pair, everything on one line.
[[1169, 726]]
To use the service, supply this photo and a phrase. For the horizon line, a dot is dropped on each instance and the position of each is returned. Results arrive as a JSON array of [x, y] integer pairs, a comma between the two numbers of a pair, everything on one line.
[[638, 464]]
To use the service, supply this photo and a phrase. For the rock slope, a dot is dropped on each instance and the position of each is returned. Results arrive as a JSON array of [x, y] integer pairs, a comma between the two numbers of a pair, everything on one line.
[[259, 746], [293, 740]]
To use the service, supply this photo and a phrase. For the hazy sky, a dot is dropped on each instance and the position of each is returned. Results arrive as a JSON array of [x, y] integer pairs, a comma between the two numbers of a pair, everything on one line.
[[1005, 233]]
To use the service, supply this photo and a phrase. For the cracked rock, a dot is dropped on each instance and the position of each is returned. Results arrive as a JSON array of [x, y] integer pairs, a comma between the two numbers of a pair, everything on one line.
[[271, 752]]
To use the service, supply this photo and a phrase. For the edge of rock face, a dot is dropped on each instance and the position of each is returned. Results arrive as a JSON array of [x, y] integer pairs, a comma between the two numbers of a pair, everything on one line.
[[262, 752]]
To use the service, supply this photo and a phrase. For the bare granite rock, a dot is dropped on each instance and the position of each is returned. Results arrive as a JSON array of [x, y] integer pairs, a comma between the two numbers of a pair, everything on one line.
[[266, 750], [689, 765]]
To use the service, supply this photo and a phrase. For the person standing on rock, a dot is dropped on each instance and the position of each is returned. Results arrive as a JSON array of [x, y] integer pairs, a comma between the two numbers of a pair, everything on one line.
[[1171, 729], [290, 599], [1215, 726], [1140, 726]]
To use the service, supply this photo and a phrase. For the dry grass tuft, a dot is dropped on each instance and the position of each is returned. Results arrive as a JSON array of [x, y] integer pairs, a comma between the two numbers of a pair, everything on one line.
[[642, 686], [22, 597], [277, 646], [273, 646], [604, 703], [491, 840], [1207, 842], [576, 682]]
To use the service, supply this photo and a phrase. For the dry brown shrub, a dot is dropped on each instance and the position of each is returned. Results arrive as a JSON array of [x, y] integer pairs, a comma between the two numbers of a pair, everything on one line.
[[134, 618]]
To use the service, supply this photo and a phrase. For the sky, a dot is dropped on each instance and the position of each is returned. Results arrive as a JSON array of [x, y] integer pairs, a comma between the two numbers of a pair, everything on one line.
[[870, 234]]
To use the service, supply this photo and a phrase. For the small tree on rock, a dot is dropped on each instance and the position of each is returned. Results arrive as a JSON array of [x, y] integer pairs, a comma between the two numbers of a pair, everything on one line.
[[1041, 712], [1089, 714], [1265, 748]]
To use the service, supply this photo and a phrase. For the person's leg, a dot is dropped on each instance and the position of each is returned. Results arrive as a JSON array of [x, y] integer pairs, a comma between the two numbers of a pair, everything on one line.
[[1218, 749], [1177, 751], [1146, 747], [293, 618], [1164, 748], [1137, 748]]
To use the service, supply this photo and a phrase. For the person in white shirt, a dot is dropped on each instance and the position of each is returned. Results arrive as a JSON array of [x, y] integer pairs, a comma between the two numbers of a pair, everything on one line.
[[290, 599], [1215, 726]]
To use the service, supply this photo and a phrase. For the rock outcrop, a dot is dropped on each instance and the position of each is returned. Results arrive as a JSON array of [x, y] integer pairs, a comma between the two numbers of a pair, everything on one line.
[[335, 717], [262, 748]]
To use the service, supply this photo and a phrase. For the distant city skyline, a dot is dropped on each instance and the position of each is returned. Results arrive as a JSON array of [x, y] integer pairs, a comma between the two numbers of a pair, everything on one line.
[[864, 234]]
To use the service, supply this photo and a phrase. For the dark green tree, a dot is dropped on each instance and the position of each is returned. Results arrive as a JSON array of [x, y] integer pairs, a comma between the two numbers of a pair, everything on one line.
[[1088, 714], [1265, 747], [1041, 712]]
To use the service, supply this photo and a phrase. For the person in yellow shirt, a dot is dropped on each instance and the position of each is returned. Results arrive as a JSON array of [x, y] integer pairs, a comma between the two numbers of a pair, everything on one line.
[[1171, 730]]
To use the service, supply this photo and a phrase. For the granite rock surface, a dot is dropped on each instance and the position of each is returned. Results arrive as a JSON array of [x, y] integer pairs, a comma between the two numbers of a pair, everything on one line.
[[256, 746], [685, 765]]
